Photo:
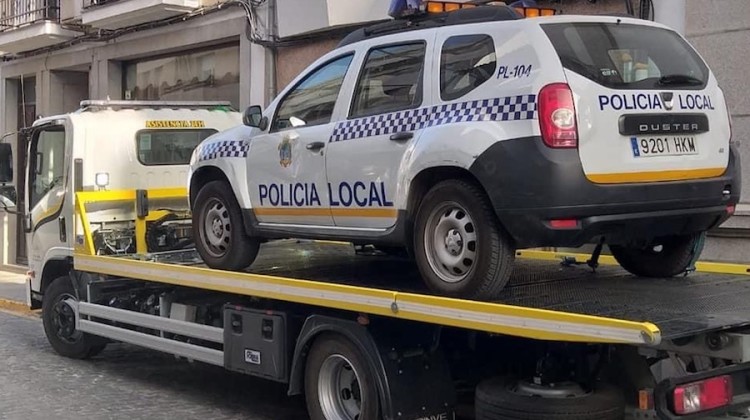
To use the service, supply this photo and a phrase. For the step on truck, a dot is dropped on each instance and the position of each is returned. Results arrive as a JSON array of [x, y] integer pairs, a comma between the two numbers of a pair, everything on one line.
[[356, 334]]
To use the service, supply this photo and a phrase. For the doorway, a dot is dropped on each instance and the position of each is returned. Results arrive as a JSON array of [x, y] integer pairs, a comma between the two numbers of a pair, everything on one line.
[[26, 117]]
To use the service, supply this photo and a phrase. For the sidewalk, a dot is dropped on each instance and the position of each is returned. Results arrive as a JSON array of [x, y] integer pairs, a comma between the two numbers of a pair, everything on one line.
[[13, 284]]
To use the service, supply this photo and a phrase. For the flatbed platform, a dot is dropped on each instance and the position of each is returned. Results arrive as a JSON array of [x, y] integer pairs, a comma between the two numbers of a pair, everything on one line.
[[543, 300], [679, 306]]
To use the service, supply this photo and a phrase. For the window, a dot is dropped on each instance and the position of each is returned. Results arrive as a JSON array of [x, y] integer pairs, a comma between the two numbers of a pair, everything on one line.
[[311, 102], [467, 61], [391, 80], [627, 56], [47, 162], [207, 75], [168, 147]]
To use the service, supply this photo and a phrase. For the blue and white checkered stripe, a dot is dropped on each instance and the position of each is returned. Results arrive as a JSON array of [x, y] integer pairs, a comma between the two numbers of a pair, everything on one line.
[[512, 108], [222, 149]]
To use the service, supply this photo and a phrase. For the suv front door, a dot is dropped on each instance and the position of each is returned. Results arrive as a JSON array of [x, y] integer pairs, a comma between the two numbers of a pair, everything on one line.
[[287, 176]]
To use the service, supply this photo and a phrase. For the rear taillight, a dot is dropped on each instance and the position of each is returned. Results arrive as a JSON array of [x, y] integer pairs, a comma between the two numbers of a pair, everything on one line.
[[557, 116], [704, 395]]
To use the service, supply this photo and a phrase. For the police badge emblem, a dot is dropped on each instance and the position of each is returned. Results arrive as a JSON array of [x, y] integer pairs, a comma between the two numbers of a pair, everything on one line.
[[285, 153]]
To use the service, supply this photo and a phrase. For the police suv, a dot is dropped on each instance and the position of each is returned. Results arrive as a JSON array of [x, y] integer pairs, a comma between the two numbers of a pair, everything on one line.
[[464, 136]]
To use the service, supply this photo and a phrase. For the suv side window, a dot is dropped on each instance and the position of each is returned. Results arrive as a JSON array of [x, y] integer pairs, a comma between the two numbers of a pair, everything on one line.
[[314, 98], [391, 80], [466, 62]]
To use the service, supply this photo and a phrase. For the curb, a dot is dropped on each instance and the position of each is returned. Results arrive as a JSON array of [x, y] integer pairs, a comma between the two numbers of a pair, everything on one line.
[[18, 308]]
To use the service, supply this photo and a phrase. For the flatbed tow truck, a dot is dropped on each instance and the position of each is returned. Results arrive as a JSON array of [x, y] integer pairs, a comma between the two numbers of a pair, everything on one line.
[[361, 339]]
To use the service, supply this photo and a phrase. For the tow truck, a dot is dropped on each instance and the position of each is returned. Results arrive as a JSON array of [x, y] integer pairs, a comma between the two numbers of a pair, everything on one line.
[[356, 332]]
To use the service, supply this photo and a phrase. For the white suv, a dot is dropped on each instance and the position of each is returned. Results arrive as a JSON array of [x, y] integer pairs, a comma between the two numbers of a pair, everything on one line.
[[464, 136]]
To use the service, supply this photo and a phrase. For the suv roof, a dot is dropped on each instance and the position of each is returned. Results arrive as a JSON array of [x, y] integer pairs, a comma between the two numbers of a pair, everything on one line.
[[459, 17]]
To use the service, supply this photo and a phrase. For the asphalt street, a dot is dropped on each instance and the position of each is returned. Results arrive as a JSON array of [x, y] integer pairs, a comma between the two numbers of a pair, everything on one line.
[[124, 382]]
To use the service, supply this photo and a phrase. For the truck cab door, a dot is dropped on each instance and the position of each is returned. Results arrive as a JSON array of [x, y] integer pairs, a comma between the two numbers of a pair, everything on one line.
[[48, 204]]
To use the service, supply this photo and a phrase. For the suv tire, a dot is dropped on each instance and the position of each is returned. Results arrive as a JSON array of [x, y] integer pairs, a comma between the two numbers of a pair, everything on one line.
[[218, 229], [663, 257], [459, 245]]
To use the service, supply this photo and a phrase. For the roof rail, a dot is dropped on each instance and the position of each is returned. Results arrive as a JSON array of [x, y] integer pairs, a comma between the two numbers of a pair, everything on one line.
[[153, 104]]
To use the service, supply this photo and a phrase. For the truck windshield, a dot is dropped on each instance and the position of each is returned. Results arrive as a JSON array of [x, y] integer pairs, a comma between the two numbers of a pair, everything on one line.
[[46, 162], [169, 147], [624, 56]]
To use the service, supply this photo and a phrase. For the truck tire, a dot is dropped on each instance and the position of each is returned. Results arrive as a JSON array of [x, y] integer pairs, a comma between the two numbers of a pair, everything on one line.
[[58, 320], [665, 257], [497, 399], [339, 384], [460, 248], [218, 229]]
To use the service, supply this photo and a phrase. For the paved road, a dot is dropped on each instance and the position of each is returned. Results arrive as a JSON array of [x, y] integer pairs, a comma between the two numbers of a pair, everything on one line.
[[124, 382]]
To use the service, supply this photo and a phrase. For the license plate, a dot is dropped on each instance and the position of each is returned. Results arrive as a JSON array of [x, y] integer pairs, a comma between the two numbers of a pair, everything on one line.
[[663, 146]]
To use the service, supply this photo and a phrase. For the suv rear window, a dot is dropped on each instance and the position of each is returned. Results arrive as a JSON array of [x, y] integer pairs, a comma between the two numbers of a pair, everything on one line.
[[626, 56], [466, 62]]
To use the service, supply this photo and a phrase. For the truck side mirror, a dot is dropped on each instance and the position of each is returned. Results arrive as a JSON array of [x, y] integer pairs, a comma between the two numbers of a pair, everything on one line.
[[253, 117], [8, 196], [6, 163]]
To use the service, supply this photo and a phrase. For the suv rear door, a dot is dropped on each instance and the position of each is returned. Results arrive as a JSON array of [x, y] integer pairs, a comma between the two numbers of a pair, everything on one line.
[[648, 108], [386, 114]]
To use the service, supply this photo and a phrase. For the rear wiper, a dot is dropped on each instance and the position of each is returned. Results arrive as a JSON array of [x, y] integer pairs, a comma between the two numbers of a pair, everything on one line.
[[679, 79]]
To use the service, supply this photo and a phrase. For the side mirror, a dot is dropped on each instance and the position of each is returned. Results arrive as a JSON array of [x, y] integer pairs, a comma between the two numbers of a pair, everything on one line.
[[6, 163], [253, 117], [8, 196]]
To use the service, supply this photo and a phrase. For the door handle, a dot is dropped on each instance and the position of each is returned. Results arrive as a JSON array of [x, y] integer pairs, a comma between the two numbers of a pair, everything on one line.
[[315, 146], [63, 229], [402, 136]]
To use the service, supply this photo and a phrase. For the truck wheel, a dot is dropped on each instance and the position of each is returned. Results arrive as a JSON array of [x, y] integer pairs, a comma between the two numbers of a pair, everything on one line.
[[60, 323], [664, 257], [338, 382], [217, 227], [507, 399], [459, 246]]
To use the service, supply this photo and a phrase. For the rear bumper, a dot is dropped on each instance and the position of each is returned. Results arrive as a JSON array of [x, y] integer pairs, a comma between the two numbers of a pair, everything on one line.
[[739, 374], [530, 184]]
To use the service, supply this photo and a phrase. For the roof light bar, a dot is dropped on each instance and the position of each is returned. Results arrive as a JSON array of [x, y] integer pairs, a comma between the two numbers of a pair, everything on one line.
[[406, 8]]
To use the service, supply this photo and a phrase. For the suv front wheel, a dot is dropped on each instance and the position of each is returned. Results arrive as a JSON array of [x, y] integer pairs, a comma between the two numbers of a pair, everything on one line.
[[218, 230], [460, 248]]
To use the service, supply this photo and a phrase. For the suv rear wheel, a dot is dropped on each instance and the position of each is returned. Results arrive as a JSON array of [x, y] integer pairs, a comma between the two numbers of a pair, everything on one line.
[[460, 247], [663, 257]]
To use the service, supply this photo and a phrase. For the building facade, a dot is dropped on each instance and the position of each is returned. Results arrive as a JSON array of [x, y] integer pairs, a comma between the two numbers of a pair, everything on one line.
[[56, 53]]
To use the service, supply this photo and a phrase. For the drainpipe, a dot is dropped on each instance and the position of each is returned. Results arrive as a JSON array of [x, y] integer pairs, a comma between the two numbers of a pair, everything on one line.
[[671, 13], [273, 32]]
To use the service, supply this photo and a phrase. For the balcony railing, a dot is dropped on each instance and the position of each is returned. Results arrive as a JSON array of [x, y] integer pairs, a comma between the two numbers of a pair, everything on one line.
[[16, 13]]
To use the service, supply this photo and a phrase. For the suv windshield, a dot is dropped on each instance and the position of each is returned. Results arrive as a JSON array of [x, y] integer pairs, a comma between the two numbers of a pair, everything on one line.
[[624, 56]]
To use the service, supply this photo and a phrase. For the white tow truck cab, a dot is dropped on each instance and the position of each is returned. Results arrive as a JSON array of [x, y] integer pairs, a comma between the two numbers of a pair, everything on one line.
[[109, 145]]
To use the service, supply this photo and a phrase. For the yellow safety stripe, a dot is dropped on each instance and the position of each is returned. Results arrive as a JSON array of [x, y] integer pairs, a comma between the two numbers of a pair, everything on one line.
[[482, 316], [701, 266], [50, 211], [325, 212], [655, 176]]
